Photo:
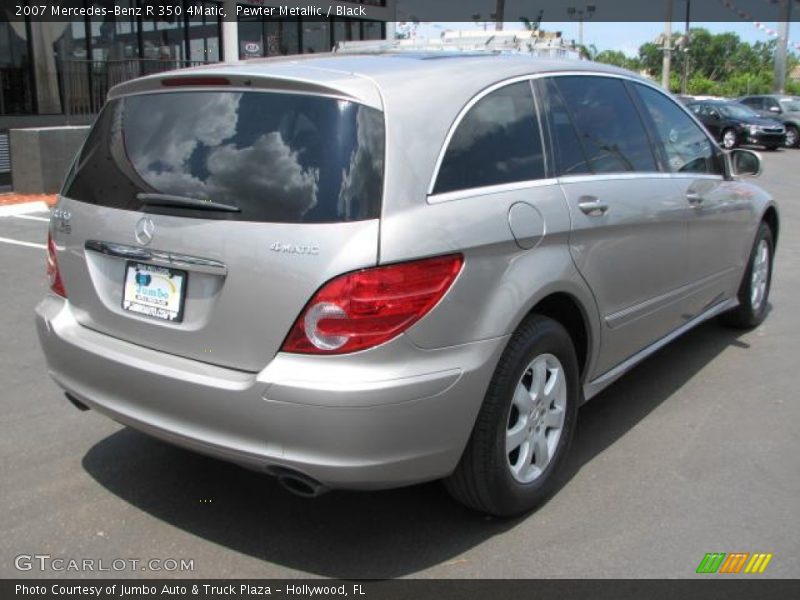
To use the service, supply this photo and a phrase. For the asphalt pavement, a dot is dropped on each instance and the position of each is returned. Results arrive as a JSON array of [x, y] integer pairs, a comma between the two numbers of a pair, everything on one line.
[[696, 450]]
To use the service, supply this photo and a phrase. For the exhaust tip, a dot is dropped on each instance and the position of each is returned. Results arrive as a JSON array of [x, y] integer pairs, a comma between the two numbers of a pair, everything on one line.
[[298, 483], [76, 403]]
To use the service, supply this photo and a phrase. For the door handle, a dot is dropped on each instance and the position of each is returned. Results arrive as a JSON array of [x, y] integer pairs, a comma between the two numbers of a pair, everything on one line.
[[694, 198], [592, 206]]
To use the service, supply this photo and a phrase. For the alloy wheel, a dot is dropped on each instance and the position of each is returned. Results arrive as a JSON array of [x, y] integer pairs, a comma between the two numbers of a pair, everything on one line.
[[729, 139], [760, 276], [791, 137], [536, 419]]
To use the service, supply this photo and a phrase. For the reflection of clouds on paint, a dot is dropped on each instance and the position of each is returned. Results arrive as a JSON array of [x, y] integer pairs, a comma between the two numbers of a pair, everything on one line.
[[361, 182], [268, 169]]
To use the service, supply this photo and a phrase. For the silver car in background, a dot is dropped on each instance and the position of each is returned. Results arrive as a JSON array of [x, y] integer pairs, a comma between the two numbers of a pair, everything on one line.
[[362, 272]]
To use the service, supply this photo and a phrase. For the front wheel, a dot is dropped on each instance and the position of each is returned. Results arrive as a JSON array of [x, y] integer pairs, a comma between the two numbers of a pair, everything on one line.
[[792, 137], [729, 139], [755, 286], [525, 426]]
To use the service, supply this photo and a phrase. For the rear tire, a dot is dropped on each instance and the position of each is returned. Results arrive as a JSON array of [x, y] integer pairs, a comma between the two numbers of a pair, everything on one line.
[[754, 289], [525, 426]]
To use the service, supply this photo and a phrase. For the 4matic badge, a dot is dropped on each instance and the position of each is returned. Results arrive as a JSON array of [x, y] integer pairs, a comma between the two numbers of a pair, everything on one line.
[[307, 250]]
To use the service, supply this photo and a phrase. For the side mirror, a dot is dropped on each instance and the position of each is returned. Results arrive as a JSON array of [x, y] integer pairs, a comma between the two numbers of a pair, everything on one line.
[[745, 163]]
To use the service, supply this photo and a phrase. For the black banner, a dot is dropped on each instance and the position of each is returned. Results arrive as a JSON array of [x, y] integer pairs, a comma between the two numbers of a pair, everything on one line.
[[608, 589], [547, 11]]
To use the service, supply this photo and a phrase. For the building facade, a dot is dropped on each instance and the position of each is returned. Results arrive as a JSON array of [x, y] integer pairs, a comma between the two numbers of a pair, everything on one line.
[[58, 73], [51, 69]]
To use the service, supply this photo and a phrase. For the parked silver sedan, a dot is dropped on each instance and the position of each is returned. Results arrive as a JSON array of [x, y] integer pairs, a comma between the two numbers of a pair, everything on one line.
[[363, 272]]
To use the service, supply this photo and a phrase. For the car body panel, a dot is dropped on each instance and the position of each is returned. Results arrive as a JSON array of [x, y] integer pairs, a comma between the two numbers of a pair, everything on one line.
[[401, 412], [215, 328]]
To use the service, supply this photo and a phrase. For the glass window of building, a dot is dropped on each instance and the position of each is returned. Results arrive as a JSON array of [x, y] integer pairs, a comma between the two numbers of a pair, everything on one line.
[[16, 95], [372, 30], [316, 37]]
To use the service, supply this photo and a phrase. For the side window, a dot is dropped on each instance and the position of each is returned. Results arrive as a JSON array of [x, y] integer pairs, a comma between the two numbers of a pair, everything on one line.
[[608, 124], [770, 103], [498, 141], [687, 147], [754, 103], [570, 158]]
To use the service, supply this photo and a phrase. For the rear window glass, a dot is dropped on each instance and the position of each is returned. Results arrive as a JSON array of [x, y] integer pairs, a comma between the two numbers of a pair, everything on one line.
[[497, 142], [284, 158]]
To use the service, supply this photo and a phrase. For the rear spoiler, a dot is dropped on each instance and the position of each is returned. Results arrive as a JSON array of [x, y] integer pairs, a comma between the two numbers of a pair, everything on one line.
[[288, 77]]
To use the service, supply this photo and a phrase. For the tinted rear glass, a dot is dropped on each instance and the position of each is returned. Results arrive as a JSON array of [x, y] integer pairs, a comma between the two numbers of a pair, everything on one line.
[[570, 158], [497, 142], [277, 157]]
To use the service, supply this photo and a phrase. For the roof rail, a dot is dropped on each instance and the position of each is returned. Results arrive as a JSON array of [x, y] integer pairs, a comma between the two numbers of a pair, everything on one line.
[[521, 44]]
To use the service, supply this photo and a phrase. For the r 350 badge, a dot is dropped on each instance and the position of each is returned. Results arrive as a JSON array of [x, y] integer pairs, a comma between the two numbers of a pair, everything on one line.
[[61, 219]]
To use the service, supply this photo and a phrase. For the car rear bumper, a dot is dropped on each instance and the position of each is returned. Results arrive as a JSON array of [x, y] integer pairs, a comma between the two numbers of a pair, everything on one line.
[[391, 416]]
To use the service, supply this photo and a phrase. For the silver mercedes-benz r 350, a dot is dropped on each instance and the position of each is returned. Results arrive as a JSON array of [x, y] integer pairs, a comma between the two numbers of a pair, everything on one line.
[[369, 271]]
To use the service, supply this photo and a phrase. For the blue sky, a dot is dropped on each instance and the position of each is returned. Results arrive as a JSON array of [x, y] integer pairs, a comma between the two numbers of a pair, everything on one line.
[[626, 37]]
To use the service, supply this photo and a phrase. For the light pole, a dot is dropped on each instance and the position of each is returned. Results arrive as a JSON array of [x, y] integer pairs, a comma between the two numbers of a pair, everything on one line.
[[499, 14], [685, 48], [780, 51], [580, 15], [667, 64]]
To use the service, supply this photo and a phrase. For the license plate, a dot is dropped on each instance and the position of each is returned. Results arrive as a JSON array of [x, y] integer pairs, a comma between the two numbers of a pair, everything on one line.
[[153, 291]]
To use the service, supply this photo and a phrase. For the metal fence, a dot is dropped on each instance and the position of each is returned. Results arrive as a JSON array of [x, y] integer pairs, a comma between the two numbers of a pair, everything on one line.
[[85, 83]]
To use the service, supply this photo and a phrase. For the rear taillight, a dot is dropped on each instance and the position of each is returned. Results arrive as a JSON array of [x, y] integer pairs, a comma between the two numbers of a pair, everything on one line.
[[53, 274], [369, 307]]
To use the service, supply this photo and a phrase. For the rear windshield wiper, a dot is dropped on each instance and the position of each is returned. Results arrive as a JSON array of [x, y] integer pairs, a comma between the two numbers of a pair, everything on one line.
[[184, 202]]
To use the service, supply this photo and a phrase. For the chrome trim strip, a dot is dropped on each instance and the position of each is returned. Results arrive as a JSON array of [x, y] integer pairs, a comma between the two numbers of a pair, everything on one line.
[[167, 259], [596, 386], [533, 76], [624, 176], [488, 190]]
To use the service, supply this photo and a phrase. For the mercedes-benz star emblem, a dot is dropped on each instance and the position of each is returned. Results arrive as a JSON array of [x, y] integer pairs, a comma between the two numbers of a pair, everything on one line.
[[144, 231]]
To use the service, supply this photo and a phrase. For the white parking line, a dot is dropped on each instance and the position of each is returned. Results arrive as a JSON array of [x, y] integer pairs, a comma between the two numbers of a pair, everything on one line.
[[23, 209], [19, 243], [31, 218]]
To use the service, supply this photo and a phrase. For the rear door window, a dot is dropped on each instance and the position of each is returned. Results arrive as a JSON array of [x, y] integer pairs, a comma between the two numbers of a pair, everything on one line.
[[608, 124], [498, 141], [285, 158]]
